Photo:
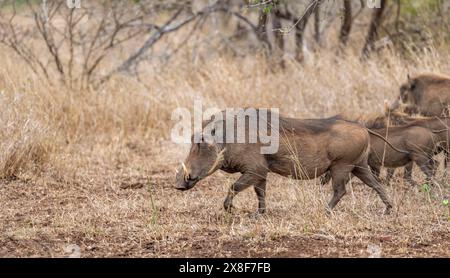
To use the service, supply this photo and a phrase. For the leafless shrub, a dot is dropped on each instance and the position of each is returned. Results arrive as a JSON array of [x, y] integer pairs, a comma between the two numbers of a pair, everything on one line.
[[79, 40]]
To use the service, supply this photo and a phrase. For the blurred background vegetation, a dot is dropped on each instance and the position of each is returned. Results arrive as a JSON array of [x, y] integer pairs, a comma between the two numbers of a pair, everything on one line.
[[80, 41]]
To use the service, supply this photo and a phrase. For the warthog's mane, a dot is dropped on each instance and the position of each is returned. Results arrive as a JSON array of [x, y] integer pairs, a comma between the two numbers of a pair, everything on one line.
[[393, 118], [432, 78], [313, 126]]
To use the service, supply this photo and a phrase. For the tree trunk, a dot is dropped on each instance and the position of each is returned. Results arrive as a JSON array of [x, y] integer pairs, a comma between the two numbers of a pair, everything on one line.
[[277, 26], [279, 38], [372, 35], [317, 25], [300, 28], [346, 22], [262, 31]]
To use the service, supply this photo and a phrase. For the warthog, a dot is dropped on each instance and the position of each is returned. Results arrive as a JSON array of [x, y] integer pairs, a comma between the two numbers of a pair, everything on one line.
[[440, 126], [421, 137], [426, 94], [419, 142], [307, 149]]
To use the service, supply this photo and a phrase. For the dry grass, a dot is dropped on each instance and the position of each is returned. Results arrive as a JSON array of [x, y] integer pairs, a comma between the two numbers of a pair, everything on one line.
[[96, 168]]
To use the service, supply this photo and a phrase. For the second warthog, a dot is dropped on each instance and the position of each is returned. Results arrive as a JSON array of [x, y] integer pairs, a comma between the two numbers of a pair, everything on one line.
[[418, 144], [307, 149], [439, 126]]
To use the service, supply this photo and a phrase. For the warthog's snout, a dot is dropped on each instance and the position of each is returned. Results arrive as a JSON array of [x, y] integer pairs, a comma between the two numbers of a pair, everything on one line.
[[184, 180], [185, 185]]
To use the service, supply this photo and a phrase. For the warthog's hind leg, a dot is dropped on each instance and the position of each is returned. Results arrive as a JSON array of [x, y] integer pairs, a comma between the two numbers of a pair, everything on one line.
[[365, 175], [340, 176], [325, 178], [429, 168], [260, 190]]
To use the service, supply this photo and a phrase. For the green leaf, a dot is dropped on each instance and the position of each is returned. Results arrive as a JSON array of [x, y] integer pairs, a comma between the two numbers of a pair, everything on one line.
[[445, 202]]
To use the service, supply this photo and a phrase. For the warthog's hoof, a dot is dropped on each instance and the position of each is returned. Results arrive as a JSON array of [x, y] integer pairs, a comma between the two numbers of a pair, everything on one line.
[[254, 215], [228, 207], [257, 214], [388, 210]]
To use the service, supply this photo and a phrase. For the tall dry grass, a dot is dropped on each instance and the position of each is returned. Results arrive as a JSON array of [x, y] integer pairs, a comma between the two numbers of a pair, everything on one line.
[[39, 121]]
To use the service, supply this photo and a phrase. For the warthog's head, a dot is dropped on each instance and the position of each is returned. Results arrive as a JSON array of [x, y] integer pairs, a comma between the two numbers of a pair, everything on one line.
[[204, 159], [409, 94], [413, 89]]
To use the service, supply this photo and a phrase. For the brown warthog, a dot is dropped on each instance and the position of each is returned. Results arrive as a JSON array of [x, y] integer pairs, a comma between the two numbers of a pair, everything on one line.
[[440, 126], [420, 141], [426, 94], [307, 149]]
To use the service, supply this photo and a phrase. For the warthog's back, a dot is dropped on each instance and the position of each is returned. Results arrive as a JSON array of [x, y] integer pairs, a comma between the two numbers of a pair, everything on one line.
[[308, 148]]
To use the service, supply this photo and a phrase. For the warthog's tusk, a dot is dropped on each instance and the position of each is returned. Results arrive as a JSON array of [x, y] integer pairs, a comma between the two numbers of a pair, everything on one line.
[[186, 173]]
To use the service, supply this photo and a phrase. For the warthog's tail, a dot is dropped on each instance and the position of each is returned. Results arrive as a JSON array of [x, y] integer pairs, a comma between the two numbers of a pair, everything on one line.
[[385, 140], [439, 130]]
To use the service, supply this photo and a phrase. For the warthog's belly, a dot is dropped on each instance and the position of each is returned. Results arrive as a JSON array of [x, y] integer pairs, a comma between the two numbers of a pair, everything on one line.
[[294, 167]]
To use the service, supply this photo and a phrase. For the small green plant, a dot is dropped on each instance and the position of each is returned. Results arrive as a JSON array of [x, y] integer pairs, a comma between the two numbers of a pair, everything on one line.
[[268, 8], [306, 229], [426, 187], [445, 204]]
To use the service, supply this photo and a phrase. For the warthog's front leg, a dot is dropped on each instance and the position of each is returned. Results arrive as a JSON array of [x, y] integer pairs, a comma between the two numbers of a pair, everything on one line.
[[408, 174], [376, 170], [390, 175], [429, 169], [446, 158], [247, 179]]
